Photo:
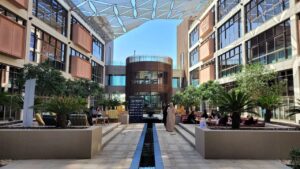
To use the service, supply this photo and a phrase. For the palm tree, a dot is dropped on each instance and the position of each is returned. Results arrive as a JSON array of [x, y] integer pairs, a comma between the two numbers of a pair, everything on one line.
[[294, 109], [62, 106], [235, 103]]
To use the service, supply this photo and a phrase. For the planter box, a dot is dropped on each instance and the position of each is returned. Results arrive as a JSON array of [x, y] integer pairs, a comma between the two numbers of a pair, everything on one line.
[[50, 143], [246, 144]]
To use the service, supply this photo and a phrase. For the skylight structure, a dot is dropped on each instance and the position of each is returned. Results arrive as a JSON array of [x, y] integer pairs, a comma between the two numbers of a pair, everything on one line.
[[125, 15]]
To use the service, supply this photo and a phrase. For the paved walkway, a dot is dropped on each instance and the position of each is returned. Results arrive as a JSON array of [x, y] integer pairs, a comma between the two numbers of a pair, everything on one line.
[[116, 155], [178, 154]]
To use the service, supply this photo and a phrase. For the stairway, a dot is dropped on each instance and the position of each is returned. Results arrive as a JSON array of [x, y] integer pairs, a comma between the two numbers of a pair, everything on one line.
[[187, 131], [111, 132]]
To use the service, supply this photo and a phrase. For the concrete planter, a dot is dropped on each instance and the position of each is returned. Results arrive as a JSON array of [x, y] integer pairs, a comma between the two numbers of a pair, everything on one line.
[[246, 144], [50, 143]]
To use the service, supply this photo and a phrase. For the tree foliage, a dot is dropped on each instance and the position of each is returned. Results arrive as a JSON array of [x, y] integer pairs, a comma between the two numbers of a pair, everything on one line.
[[235, 103], [50, 81], [262, 85]]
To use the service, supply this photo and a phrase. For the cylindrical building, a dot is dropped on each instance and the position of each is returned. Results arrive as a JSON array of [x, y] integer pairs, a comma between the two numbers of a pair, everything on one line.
[[150, 78]]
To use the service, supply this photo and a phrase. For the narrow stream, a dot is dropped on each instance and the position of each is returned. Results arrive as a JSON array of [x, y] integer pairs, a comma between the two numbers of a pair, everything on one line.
[[147, 154], [147, 157]]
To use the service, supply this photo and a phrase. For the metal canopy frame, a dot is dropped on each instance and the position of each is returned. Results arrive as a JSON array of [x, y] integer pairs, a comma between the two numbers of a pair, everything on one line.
[[125, 15]]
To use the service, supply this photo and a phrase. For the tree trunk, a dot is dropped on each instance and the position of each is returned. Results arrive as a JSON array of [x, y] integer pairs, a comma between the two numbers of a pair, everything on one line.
[[236, 120], [268, 115], [61, 121]]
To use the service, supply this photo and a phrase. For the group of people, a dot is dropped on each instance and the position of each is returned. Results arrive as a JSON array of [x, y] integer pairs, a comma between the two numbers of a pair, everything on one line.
[[169, 117]]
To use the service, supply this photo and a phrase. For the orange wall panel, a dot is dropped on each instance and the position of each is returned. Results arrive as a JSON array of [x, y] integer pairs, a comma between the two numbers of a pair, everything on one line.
[[206, 25], [81, 68], [207, 50], [82, 38], [207, 74], [12, 41], [20, 3]]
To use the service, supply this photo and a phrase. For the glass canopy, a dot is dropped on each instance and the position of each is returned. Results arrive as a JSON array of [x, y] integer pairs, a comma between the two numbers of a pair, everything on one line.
[[125, 15]]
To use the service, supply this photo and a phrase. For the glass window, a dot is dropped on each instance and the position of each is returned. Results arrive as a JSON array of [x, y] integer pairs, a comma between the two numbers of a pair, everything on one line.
[[150, 77], [194, 77], [229, 31], [12, 16], [259, 11], [194, 36], [230, 62], [194, 56], [270, 46], [44, 47], [224, 6], [98, 49], [176, 82], [52, 13], [97, 72], [116, 80]]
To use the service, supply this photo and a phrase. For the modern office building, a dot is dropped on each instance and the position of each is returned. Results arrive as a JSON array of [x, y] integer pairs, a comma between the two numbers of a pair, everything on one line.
[[35, 31], [150, 77], [232, 33]]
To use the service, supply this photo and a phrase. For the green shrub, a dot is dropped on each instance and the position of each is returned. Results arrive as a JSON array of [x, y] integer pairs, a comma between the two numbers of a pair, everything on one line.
[[295, 158]]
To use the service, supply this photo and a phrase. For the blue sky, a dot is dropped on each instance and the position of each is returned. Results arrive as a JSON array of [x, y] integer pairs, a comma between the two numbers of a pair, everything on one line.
[[156, 37]]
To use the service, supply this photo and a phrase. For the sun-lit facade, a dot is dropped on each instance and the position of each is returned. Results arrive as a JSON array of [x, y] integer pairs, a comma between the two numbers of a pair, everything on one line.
[[230, 34]]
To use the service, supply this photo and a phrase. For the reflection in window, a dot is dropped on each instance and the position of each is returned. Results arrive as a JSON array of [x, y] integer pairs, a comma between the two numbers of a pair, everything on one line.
[[97, 72], [230, 62], [44, 47], [194, 36], [52, 13], [116, 80], [151, 99], [12, 16], [225, 6], [98, 49], [271, 46], [150, 77], [229, 31], [176, 83], [259, 11], [194, 77], [194, 56]]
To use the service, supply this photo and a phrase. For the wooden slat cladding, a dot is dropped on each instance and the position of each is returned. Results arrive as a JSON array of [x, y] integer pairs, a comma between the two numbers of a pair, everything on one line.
[[207, 74], [12, 41], [82, 38], [23, 4], [81, 68], [207, 50], [207, 24]]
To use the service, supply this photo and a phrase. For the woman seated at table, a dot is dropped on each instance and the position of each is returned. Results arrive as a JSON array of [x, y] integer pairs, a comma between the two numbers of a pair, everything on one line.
[[249, 121], [191, 118]]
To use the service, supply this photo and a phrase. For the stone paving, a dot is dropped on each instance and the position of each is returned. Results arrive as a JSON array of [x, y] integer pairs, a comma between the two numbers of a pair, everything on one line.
[[117, 154], [178, 154]]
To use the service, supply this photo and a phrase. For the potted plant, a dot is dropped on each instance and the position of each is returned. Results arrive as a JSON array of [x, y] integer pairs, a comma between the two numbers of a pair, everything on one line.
[[235, 103], [63, 106]]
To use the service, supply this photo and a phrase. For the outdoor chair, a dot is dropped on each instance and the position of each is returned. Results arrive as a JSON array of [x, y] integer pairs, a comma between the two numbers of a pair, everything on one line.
[[78, 119], [50, 120]]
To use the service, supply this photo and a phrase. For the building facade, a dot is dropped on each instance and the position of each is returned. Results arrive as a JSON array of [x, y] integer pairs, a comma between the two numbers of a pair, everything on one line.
[[35, 31], [150, 77], [233, 33]]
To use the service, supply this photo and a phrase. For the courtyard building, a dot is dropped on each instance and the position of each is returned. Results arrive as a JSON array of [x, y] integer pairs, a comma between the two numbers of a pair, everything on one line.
[[232, 33]]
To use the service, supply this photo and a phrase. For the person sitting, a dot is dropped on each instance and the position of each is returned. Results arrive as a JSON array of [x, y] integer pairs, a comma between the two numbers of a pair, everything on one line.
[[249, 121], [223, 120], [191, 118], [204, 115]]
